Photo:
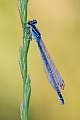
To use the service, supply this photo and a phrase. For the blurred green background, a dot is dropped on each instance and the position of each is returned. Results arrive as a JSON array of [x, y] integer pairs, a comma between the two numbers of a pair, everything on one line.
[[59, 23]]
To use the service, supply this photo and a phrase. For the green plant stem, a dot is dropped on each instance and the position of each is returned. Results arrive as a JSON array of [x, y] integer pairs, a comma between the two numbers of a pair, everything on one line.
[[23, 53]]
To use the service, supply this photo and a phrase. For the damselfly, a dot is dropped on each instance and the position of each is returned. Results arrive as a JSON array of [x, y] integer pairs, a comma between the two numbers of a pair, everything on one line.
[[53, 75]]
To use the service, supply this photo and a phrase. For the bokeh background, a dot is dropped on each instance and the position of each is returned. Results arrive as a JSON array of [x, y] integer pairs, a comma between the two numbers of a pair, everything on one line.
[[59, 23]]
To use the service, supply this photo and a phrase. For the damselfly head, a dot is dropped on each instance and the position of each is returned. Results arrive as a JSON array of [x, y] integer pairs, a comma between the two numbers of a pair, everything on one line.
[[32, 22]]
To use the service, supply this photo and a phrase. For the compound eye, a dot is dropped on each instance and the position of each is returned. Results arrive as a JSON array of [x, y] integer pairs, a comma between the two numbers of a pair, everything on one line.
[[32, 22]]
